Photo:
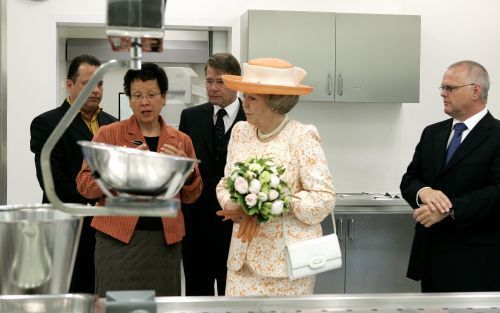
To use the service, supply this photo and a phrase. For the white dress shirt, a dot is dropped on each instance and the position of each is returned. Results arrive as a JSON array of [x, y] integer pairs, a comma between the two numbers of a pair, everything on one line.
[[232, 112]]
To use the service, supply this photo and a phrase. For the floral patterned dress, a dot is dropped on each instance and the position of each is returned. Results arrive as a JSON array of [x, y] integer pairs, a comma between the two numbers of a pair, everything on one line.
[[259, 267]]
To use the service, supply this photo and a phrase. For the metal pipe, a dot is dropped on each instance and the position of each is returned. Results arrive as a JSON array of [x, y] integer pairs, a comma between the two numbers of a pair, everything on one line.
[[3, 101], [157, 207], [135, 54], [64, 123]]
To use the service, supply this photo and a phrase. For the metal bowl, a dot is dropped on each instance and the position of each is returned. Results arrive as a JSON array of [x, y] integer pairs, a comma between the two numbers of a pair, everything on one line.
[[136, 172], [38, 245]]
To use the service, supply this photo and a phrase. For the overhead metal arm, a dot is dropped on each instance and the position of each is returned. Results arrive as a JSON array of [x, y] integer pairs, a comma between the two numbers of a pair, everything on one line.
[[161, 208]]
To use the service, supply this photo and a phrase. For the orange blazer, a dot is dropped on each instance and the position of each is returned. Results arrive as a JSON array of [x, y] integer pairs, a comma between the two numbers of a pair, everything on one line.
[[122, 134]]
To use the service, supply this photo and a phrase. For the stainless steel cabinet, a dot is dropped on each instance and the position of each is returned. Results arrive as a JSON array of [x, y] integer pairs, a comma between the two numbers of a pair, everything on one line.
[[376, 247], [348, 57]]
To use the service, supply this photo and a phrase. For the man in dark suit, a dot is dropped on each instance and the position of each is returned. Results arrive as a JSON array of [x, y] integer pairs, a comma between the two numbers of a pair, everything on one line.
[[67, 157], [455, 192], [206, 244]]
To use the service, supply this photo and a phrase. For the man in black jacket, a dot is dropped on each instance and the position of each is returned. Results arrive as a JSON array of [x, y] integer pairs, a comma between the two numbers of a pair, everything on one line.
[[453, 184], [206, 245], [67, 157]]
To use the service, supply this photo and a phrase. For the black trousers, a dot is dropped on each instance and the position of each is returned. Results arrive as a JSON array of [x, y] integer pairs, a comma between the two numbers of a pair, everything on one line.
[[204, 259], [82, 280], [455, 263]]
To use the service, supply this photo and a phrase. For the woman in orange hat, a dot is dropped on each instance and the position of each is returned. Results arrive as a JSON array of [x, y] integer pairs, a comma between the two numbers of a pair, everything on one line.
[[256, 262]]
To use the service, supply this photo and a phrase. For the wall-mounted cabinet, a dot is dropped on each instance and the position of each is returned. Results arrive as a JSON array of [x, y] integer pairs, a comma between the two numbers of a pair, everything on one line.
[[348, 57]]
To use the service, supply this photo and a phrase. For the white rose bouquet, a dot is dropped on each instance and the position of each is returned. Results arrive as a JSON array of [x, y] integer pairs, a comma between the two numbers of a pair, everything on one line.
[[257, 186]]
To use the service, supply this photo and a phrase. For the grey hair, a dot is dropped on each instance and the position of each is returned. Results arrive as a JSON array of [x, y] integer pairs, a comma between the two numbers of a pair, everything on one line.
[[477, 74], [281, 103]]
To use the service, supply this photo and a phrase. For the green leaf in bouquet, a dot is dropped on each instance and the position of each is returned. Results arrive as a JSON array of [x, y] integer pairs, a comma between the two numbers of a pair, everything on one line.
[[281, 170], [280, 188], [249, 175], [241, 201], [238, 166], [265, 211], [236, 197], [262, 219]]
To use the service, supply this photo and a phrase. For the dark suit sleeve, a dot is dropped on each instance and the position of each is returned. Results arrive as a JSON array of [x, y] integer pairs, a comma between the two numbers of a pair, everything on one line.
[[182, 123], [105, 118], [482, 205], [411, 182], [65, 187], [39, 133], [191, 192], [473, 186]]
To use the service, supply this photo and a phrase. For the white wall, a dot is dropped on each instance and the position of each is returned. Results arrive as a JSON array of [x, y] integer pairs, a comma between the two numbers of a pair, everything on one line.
[[368, 145]]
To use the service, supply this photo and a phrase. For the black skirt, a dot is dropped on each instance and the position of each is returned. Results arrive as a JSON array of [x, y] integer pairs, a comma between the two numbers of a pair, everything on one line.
[[146, 263]]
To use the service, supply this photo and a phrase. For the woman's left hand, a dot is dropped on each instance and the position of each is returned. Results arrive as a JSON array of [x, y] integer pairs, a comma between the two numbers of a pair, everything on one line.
[[232, 211], [172, 150], [178, 151]]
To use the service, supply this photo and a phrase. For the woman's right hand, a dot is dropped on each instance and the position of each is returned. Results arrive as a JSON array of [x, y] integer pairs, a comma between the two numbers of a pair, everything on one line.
[[249, 228]]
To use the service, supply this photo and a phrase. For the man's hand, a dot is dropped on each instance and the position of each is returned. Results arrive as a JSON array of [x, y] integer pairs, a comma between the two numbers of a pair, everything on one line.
[[436, 200], [428, 217]]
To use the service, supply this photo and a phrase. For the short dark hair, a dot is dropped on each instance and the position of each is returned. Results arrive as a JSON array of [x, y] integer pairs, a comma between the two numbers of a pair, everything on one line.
[[79, 60], [148, 71], [224, 62]]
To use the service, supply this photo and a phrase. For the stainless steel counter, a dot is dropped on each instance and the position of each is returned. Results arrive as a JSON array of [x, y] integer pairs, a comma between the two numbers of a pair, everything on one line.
[[359, 303], [368, 202], [385, 303]]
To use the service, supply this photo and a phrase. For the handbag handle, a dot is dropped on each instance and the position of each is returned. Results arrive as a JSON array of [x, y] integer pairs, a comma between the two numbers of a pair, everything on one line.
[[284, 232], [283, 221]]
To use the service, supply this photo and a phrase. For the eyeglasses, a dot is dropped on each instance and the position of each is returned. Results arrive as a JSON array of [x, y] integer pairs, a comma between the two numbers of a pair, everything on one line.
[[139, 96], [215, 82], [450, 89]]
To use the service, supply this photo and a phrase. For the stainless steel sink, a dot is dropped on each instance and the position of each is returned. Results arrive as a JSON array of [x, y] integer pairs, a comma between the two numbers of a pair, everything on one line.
[[65, 303]]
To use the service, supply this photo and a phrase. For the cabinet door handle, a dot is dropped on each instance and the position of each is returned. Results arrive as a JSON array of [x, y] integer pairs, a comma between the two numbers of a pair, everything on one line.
[[340, 229], [350, 229], [340, 85], [329, 84]]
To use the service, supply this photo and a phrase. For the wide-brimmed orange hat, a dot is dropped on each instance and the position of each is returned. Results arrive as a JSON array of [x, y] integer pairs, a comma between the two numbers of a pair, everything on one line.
[[269, 76]]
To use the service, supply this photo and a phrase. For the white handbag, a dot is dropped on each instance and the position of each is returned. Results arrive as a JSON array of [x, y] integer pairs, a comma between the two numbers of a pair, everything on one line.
[[313, 256]]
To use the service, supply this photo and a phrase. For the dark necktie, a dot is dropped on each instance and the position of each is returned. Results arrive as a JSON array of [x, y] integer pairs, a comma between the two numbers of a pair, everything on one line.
[[455, 140], [219, 131]]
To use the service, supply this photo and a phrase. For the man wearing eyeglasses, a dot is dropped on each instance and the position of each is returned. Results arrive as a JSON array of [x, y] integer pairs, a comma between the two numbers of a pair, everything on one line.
[[67, 157], [453, 185], [209, 125]]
